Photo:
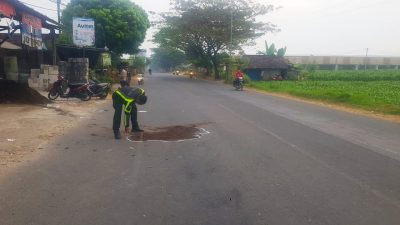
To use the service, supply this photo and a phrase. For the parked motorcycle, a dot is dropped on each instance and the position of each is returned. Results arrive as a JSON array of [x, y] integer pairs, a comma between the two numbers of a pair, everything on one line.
[[277, 77], [98, 89], [238, 84], [63, 89], [191, 74]]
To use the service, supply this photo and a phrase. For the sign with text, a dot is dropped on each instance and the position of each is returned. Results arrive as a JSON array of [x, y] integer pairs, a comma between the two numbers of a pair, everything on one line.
[[106, 58], [31, 31], [83, 32]]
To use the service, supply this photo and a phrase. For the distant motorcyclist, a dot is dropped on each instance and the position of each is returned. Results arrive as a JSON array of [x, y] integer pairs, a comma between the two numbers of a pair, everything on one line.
[[238, 75], [126, 98]]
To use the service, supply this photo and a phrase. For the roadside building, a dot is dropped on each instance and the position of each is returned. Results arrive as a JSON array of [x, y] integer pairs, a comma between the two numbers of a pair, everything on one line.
[[262, 67], [22, 47], [347, 62]]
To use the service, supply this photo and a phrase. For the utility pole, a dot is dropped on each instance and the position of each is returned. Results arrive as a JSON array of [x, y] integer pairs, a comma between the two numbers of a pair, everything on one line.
[[58, 2], [365, 60], [231, 30], [230, 70], [59, 11]]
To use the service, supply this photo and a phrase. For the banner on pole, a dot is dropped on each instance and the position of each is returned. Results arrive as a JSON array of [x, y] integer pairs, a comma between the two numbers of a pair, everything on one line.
[[106, 59], [83, 31], [31, 31]]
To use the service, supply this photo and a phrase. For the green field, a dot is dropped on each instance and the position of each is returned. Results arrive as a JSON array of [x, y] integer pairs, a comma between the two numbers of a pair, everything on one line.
[[377, 91]]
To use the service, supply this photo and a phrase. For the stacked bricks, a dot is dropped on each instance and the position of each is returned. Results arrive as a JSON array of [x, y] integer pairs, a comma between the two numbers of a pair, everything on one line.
[[44, 77]]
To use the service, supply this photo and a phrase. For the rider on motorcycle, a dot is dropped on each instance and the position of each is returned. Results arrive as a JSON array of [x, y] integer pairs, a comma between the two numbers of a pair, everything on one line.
[[238, 75]]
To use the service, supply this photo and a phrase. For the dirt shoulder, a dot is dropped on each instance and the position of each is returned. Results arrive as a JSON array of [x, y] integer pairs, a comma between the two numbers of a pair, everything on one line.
[[25, 128]]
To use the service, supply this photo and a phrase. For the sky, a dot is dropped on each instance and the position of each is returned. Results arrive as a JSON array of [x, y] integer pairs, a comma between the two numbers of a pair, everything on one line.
[[309, 27]]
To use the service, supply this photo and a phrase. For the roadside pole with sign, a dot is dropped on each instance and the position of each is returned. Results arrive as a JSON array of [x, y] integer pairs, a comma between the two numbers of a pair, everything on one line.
[[105, 61], [83, 32]]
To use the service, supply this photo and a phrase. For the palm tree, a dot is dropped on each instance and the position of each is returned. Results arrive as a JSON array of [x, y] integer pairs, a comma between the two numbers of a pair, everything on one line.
[[271, 50]]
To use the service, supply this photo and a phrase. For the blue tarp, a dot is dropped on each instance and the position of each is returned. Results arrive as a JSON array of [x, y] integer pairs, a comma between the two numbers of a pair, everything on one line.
[[254, 74]]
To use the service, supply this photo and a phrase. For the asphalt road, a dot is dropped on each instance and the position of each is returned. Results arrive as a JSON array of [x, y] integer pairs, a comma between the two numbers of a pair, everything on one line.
[[266, 160]]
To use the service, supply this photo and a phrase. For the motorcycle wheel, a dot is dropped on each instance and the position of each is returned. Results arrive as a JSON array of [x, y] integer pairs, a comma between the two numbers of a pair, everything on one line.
[[53, 94], [104, 94], [85, 96]]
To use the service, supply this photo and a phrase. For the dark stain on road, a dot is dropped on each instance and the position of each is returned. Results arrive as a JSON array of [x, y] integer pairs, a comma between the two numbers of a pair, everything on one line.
[[171, 133]]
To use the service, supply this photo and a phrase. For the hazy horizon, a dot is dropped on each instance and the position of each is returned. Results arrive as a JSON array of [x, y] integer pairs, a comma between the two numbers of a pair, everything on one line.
[[310, 27]]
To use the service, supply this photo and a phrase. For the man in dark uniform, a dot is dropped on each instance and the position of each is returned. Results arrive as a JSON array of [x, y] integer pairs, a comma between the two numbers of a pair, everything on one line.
[[126, 98]]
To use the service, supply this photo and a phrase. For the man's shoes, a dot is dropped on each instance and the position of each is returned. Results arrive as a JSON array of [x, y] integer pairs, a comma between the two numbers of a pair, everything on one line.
[[137, 130], [117, 135]]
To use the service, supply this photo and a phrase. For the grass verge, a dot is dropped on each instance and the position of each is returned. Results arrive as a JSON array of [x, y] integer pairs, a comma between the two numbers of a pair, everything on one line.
[[381, 96]]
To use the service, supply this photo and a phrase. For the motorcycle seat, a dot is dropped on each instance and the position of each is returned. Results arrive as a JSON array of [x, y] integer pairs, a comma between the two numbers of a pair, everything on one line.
[[76, 84], [102, 85]]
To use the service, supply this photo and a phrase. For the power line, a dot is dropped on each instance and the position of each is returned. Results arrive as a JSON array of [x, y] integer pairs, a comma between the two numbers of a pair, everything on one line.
[[40, 7], [55, 1]]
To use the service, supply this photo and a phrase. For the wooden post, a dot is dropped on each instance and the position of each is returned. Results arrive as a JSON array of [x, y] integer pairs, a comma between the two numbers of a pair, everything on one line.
[[53, 40]]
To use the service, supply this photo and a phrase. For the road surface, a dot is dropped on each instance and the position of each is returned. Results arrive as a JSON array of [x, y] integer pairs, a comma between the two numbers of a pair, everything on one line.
[[266, 160]]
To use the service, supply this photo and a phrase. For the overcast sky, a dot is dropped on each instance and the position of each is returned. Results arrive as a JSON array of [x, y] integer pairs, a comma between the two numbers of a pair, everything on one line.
[[312, 27]]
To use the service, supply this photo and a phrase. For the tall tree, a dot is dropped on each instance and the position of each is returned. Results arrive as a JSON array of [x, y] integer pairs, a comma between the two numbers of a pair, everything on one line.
[[167, 58], [203, 29], [120, 24]]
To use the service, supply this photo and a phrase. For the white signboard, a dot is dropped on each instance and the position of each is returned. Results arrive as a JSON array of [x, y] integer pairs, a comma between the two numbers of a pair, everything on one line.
[[83, 31]]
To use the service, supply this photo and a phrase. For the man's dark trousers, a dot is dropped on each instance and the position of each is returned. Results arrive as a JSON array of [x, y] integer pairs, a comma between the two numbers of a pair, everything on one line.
[[118, 104]]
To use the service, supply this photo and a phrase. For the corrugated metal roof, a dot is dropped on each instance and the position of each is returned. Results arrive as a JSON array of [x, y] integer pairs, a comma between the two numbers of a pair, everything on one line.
[[267, 62], [9, 45], [47, 22]]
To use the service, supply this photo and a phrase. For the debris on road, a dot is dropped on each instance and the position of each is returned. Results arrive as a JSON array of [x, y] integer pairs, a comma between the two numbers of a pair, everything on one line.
[[170, 134]]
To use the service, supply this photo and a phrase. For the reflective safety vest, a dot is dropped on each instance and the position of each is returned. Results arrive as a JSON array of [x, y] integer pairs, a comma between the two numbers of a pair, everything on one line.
[[127, 101]]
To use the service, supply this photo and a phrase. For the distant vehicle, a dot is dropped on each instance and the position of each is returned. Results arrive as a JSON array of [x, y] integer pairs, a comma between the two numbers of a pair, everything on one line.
[[140, 79], [176, 72], [191, 74]]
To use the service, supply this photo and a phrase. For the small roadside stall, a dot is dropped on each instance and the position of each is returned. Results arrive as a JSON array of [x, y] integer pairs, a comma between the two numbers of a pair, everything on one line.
[[262, 67]]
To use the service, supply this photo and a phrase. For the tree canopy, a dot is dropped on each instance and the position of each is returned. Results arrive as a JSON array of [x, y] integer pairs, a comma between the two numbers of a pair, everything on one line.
[[167, 58], [120, 24], [204, 29]]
